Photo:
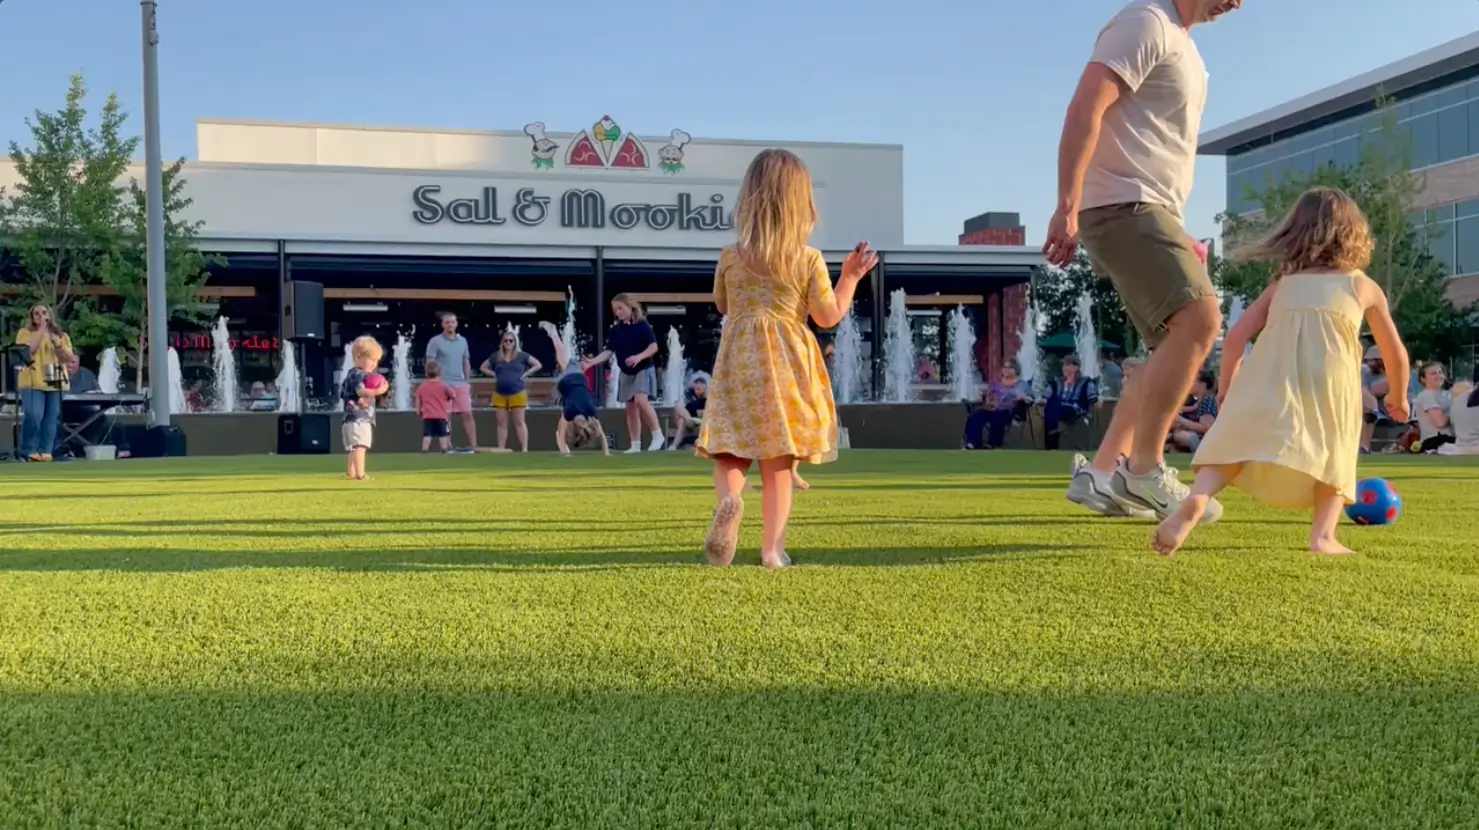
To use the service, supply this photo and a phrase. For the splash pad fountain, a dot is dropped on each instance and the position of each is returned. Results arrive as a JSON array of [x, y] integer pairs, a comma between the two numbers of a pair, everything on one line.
[[847, 361], [223, 366], [964, 380], [175, 383], [675, 374], [400, 372], [1086, 339], [1028, 356], [289, 398], [898, 350], [109, 372]]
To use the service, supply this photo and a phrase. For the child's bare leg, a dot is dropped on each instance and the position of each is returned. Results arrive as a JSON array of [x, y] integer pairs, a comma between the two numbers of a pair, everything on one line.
[[349, 464], [1172, 532], [445, 443], [634, 426], [426, 443], [1328, 507], [357, 463], [775, 478], [723, 538], [796, 480]]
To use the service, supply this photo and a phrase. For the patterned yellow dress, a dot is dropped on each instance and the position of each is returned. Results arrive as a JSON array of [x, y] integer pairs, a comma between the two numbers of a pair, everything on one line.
[[1293, 415], [770, 395]]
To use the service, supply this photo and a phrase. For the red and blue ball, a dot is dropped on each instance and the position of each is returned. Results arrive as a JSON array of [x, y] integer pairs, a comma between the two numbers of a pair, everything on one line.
[[1377, 503]]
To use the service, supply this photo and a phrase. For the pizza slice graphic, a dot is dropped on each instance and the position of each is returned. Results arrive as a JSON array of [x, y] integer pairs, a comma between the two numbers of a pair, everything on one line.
[[583, 153], [632, 155]]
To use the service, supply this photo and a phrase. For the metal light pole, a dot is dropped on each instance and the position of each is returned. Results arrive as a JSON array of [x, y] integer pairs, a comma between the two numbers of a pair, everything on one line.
[[159, 391]]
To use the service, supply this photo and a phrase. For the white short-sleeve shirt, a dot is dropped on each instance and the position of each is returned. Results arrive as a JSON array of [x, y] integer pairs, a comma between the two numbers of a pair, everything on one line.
[[1148, 140]]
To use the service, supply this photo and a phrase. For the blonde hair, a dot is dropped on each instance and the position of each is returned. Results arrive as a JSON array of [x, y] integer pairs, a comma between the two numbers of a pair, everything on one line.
[[776, 213], [584, 430], [366, 347], [1324, 231], [631, 303]]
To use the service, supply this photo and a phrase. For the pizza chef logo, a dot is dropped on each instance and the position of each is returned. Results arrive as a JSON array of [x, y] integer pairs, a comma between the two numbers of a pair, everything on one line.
[[544, 149], [605, 146], [670, 155]]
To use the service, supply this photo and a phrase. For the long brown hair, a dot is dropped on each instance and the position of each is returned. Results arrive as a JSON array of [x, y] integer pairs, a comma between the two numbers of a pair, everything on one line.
[[1324, 231], [638, 315], [777, 211]]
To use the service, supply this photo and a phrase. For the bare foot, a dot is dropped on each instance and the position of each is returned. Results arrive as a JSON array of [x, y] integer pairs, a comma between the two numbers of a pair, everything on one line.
[[723, 535], [1171, 534], [1327, 546], [798, 482], [775, 561]]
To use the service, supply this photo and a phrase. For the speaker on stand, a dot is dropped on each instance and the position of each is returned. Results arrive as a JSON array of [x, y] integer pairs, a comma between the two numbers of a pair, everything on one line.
[[303, 323]]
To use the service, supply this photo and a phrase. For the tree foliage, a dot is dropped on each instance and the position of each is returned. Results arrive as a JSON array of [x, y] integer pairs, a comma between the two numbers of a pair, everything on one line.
[[1058, 291], [124, 269], [66, 211], [72, 224], [1383, 184]]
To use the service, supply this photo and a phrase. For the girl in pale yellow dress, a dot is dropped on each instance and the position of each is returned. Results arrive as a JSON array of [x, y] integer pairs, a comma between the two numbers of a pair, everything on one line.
[[770, 399], [1289, 430]]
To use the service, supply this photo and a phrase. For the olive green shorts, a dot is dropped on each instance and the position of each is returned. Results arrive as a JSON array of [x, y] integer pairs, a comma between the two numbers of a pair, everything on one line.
[[1145, 252]]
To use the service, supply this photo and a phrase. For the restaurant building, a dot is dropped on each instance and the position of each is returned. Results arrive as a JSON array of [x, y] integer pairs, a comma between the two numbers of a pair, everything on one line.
[[506, 228]]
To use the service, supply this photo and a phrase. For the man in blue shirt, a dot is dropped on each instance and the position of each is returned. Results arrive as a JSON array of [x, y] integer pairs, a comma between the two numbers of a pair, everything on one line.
[[450, 351]]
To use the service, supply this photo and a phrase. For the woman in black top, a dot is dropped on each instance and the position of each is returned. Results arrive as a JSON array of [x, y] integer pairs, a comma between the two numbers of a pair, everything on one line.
[[634, 344]]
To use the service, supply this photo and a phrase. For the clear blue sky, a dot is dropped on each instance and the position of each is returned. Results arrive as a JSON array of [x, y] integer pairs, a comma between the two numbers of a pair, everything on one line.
[[975, 91]]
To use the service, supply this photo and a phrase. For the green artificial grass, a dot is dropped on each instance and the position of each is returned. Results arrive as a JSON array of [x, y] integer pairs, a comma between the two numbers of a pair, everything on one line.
[[532, 642]]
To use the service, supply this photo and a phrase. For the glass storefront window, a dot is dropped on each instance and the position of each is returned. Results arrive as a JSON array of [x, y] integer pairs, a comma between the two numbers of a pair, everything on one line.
[[1466, 243]]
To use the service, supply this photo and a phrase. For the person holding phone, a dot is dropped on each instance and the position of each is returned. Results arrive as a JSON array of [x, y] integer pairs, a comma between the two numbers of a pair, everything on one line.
[[43, 382]]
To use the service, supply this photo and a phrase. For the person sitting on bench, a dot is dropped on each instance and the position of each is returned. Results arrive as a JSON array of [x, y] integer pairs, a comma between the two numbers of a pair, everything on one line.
[[689, 414]]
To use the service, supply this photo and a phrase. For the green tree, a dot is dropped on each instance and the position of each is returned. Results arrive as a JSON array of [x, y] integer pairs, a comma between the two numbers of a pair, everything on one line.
[[1383, 184], [74, 226], [124, 270], [65, 212], [1058, 292]]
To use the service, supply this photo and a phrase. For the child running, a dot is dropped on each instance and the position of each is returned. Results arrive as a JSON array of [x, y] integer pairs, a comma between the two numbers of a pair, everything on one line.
[[1290, 427], [579, 423], [771, 399], [358, 431], [433, 400]]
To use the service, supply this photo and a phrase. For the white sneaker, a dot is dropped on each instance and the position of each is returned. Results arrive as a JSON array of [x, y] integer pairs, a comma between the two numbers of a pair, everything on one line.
[[633, 449], [1159, 491], [658, 442], [1091, 489]]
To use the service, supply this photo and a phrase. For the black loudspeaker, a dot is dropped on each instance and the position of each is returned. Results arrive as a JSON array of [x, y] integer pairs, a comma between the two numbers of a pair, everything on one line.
[[304, 435], [302, 310], [160, 442]]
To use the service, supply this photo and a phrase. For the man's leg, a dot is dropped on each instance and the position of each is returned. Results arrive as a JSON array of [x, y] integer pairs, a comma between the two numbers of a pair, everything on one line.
[[1170, 299], [1121, 431], [1190, 335]]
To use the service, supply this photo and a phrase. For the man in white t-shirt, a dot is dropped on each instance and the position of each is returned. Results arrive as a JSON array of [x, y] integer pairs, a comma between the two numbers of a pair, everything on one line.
[[1125, 166]]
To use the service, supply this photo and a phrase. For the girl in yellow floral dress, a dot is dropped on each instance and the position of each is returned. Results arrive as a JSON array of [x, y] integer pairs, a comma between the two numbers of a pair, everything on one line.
[[770, 399]]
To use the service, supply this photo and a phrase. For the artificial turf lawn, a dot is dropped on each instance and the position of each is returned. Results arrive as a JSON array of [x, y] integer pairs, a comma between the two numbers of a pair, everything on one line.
[[531, 642]]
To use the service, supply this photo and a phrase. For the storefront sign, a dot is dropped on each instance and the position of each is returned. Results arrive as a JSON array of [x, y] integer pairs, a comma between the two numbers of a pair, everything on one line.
[[577, 208], [201, 341]]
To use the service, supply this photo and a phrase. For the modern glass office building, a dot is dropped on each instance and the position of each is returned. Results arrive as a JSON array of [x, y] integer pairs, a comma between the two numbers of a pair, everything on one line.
[[1436, 98]]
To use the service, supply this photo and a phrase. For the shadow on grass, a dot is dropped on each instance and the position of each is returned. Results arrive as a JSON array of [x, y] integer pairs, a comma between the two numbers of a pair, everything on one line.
[[485, 558], [584, 758]]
